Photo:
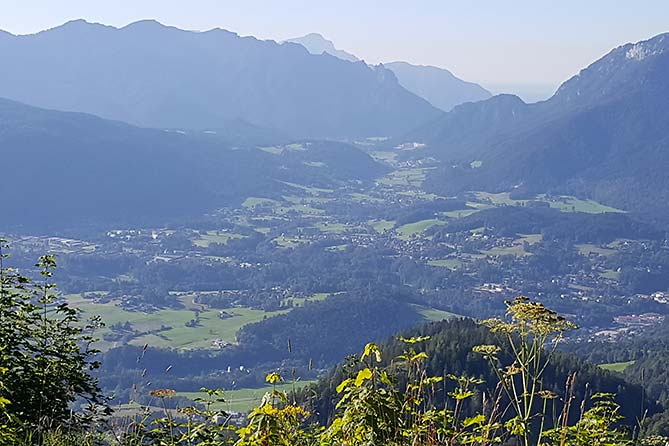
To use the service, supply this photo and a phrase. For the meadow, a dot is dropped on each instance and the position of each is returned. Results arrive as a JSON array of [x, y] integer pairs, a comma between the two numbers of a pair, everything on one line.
[[166, 328]]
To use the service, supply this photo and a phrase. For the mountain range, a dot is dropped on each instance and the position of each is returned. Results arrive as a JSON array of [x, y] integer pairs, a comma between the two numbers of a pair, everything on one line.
[[215, 96], [602, 135], [152, 75], [65, 169], [436, 85]]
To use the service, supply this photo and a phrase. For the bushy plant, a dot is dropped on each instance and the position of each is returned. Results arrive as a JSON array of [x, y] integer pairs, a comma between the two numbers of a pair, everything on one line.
[[46, 355]]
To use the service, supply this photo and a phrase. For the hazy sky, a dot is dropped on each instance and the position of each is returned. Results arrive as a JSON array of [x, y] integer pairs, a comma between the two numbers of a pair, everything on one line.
[[519, 46]]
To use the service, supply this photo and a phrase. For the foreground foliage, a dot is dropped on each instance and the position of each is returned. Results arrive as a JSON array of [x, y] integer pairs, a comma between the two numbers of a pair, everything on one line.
[[47, 359]]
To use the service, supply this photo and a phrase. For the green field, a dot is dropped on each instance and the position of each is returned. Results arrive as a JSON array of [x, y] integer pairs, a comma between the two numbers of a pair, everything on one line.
[[572, 204], [364, 198], [306, 200], [411, 229], [177, 334], [405, 177], [304, 209], [307, 189], [587, 249], [563, 203], [418, 194], [244, 400], [517, 248], [314, 163], [432, 314], [496, 199], [382, 225], [253, 202], [610, 274], [460, 213], [385, 157], [278, 150], [213, 237], [331, 228], [299, 301], [446, 263], [289, 242], [617, 366], [336, 248], [272, 150], [514, 250]]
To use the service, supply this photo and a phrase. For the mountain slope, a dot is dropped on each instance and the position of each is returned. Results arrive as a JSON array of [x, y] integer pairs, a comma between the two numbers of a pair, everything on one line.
[[70, 169], [603, 135], [153, 75], [437, 85]]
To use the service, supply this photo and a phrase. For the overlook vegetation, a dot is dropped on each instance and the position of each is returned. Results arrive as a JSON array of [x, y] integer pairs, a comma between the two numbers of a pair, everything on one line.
[[414, 396], [407, 400]]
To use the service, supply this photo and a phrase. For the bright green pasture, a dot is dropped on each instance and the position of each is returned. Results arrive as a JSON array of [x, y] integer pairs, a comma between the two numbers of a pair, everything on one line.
[[411, 229], [617, 366], [178, 335], [244, 400], [451, 263], [214, 237]]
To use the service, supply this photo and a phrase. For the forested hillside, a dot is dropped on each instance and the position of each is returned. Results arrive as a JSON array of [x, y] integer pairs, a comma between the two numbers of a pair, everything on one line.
[[602, 135], [111, 173]]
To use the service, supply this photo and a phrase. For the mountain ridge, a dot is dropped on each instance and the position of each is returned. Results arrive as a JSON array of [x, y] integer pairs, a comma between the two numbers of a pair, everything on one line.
[[315, 43], [603, 135], [113, 173], [152, 75], [438, 86]]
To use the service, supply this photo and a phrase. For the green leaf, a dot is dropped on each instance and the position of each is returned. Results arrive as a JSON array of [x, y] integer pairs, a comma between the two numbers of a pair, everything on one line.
[[478, 419], [372, 349], [343, 385], [363, 375]]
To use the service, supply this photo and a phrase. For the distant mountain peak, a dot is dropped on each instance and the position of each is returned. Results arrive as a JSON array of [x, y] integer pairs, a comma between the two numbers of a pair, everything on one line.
[[315, 43], [317, 36], [145, 24], [77, 24], [437, 85], [423, 67], [647, 48]]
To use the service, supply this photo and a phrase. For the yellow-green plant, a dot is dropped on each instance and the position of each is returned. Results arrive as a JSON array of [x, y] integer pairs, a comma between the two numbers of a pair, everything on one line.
[[46, 354], [377, 409], [201, 424], [596, 427], [276, 422], [532, 333]]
